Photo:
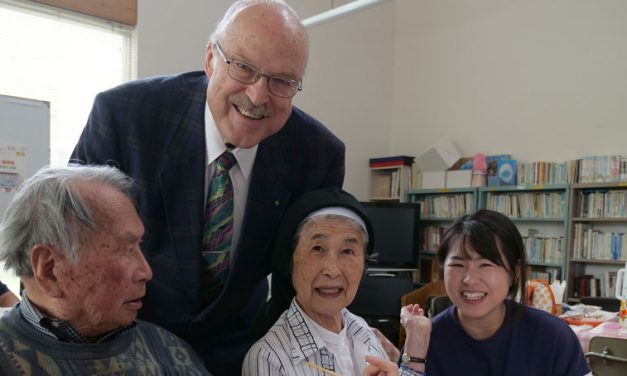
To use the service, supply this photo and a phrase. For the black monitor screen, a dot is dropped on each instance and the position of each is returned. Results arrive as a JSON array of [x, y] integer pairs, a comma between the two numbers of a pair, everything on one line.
[[395, 233]]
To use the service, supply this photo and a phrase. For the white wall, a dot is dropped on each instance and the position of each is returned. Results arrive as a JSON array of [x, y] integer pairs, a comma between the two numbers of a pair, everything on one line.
[[539, 79], [535, 78], [347, 87], [172, 35]]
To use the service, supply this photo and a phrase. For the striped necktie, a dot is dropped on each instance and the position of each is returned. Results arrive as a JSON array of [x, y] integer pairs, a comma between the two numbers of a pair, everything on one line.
[[218, 231]]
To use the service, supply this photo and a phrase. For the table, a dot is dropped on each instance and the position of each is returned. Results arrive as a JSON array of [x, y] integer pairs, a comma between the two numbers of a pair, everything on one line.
[[606, 329]]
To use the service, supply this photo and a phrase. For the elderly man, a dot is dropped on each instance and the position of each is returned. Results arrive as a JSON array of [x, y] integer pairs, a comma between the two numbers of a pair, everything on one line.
[[73, 237], [223, 140]]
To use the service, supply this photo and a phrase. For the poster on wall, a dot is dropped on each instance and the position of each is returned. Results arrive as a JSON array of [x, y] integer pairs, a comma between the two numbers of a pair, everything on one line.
[[13, 166]]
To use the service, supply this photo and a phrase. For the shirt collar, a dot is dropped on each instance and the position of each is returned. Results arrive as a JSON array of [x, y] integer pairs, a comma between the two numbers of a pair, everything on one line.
[[60, 329], [306, 341], [215, 146]]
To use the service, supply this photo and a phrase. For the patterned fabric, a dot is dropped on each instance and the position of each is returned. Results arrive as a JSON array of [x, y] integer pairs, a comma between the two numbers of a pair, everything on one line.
[[540, 296], [290, 344], [144, 350], [216, 242]]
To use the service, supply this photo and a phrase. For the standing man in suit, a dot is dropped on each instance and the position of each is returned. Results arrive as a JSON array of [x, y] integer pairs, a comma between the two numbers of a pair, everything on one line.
[[168, 133]]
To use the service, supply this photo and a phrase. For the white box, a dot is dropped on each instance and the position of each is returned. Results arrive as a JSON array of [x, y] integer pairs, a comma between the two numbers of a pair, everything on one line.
[[433, 179], [458, 178], [439, 157]]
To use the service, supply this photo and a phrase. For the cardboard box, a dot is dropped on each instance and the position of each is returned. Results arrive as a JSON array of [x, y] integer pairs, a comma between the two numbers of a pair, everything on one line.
[[458, 178], [433, 179], [439, 157]]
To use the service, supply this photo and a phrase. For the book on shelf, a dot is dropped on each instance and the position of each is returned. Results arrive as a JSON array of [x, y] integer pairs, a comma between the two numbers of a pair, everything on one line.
[[492, 168], [542, 172], [429, 270], [609, 279], [623, 169], [602, 285], [592, 244], [594, 287], [544, 276], [381, 187], [548, 274], [572, 171], [506, 171], [543, 249], [400, 160], [610, 168], [555, 274], [581, 285], [394, 184], [601, 168], [528, 204], [431, 237]]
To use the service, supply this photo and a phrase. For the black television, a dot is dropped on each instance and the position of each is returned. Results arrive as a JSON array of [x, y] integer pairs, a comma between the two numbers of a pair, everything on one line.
[[395, 233]]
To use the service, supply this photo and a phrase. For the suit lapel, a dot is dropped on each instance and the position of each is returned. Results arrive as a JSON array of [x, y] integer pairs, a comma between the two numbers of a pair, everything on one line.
[[183, 181]]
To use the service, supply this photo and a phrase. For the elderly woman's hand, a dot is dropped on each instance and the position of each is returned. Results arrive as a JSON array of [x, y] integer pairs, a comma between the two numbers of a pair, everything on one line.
[[380, 367], [418, 329]]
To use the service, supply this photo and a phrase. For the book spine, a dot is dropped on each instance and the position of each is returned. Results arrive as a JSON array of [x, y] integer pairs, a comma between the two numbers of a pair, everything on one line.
[[402, 158], [388, 164]]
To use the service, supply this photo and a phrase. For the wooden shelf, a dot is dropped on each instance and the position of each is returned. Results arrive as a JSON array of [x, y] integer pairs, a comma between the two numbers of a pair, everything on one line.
[[601, 220], [599, 262], [586, 232]]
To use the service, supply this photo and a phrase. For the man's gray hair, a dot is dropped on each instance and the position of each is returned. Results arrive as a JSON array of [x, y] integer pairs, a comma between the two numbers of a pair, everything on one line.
[[237, 6], [47, 209]]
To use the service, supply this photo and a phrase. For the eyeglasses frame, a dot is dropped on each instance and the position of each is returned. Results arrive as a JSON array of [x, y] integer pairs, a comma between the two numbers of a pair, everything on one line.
[[258, 75]]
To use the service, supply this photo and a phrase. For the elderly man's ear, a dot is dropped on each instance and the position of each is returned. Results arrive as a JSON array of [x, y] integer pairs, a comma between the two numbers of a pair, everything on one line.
[[44, 261]]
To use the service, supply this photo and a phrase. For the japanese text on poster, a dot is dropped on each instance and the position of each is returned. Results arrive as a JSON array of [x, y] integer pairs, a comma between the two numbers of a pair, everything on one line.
[[13, 166]]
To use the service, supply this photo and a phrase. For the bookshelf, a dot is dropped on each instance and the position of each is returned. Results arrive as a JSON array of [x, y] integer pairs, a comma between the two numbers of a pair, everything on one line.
[[388, 183], [598, 241], [438, 209], [541, 214]]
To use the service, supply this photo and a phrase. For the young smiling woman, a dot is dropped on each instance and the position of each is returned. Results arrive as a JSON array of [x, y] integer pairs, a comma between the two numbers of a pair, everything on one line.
[[489, 330]]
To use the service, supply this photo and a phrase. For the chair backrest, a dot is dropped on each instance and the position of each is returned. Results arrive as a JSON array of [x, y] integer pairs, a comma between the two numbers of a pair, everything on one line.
[[540, 296], [438, 304], [608, 356]]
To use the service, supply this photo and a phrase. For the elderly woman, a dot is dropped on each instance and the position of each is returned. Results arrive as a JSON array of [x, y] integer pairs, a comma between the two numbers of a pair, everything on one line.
[[318, 262]]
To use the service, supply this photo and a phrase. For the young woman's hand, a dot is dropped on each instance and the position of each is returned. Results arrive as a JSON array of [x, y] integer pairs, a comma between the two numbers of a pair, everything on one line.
[[418, 329]]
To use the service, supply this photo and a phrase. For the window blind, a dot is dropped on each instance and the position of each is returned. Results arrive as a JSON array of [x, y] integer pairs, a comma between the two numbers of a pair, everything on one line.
[[63, 58]]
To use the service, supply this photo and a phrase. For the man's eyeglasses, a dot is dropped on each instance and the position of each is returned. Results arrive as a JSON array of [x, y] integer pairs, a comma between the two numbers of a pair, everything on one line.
[[247, 74]]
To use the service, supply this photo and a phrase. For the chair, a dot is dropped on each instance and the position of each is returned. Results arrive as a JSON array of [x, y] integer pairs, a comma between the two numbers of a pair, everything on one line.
[[438, 304], [540, 295], [608, 356], [420, 296], [606, 304]]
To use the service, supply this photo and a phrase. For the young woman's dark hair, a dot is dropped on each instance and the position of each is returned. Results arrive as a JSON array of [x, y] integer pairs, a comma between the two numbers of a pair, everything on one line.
[[487, 231]]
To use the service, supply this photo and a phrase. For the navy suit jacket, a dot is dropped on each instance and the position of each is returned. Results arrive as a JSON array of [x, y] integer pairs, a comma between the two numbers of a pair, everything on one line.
[[153, 129]]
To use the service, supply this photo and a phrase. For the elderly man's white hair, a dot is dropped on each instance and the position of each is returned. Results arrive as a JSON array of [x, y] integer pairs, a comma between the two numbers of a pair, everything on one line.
[[48, 208]]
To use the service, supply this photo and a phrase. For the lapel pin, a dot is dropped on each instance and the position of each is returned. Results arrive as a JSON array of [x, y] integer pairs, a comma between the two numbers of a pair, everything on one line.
[[277, 202]]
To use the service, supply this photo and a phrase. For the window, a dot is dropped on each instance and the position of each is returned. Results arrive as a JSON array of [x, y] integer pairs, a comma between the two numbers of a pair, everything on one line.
[[63, 58]]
